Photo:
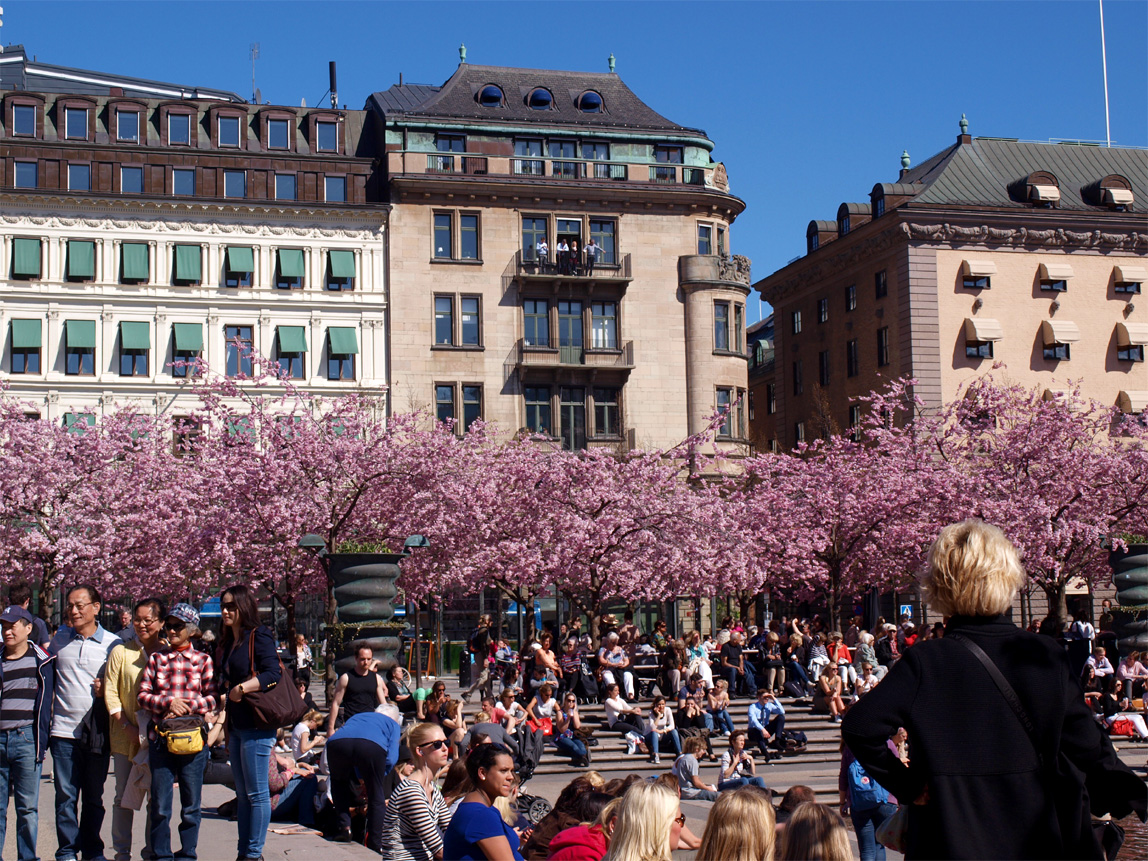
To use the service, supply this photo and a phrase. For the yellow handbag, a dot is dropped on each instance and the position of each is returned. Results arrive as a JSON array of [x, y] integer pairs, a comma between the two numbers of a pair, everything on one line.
[[183, 735]]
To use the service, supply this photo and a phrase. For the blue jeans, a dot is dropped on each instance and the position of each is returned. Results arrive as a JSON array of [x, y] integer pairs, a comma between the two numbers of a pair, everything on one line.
[[797, 672], [866, 823], [20, 775], [297, 801], [79, 777], [738, 782], [571, 747], [166, 768], [250, 760], [671, 738], [748, 681], [722, 720]]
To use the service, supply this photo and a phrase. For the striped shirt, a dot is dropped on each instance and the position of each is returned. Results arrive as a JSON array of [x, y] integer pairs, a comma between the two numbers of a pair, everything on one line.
[[18, 700], [412, 826]]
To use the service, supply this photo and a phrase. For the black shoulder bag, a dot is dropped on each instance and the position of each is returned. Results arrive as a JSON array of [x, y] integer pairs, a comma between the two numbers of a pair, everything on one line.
[[1109, 834]]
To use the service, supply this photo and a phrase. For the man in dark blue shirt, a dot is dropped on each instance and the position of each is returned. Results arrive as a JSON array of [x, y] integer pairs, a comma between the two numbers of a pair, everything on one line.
[[365, 748]]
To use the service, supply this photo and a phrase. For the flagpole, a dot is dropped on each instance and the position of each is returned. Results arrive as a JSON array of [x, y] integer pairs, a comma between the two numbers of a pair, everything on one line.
[[1104, 61]]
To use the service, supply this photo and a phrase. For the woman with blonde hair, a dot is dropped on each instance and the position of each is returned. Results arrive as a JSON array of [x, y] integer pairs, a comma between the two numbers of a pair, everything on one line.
[[649, 823], [987, 706], [416, 812], [814, 833], [727, 837]]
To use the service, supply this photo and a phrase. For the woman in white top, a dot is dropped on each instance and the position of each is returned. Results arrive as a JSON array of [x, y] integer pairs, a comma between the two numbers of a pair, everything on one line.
[[416, 814], [660, 730], [509, 712], [737, 765], [542, 706], [302, 740], [699, 659], [866, 681]]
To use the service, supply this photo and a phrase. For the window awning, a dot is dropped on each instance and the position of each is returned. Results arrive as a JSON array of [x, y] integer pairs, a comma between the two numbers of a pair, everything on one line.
[[1125, 274], [81, 258], [1132, 401], [293, 339], [1053, 394], [343, 340], [187, 262], [1059, 332], [1055, 271], [1132, 334], [80, 334], [342, 264], [26, 257], [135, 336], [979, 268], [240, 258], [1118, 196], [188, 337], [25, 334], [983, 329], [291, 262], [1044, 193], [134, 263]]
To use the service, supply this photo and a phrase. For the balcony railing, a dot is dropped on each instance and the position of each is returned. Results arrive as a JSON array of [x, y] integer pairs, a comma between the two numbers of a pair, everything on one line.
[[563, 169], [693, 176], [528, 167], [528, 262], [664, 173], [469, 164], [621, 359]]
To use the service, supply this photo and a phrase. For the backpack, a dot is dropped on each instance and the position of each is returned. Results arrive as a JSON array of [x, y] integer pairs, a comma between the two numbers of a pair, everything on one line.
[[864, 792]]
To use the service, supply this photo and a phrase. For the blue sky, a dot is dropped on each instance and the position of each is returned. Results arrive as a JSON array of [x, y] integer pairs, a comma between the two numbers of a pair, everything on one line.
[[810, 103]]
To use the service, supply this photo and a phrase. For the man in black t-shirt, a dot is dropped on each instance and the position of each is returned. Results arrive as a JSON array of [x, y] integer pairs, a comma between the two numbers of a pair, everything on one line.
[[735, 669], [361, 690]]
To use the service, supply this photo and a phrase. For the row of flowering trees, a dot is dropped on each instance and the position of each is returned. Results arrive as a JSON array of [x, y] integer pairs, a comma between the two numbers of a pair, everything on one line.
[[261, 464]]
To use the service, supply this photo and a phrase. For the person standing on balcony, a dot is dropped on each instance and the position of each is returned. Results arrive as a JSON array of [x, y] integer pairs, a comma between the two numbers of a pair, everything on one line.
[[574, 258], [542, 252], [563, 257], [593, 249]]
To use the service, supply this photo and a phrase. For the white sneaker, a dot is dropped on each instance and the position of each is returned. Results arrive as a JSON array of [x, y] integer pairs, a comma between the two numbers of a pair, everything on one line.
[[631, 747]]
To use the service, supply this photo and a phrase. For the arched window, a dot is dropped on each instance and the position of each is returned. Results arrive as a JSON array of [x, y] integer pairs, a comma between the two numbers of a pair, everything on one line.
[[490, 96], [539, 99], [590, 103]]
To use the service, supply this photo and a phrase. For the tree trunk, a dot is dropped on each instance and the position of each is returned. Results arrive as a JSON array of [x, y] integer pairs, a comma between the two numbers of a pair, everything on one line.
[[745, 606], [1058, 601], [834, 597]]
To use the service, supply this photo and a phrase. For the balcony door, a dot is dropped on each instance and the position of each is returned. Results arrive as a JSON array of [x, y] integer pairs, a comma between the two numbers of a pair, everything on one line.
[[570, 333], [573, 418]]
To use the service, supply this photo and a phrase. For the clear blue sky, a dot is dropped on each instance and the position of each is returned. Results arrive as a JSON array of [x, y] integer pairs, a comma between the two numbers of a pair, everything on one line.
[[810, 103]]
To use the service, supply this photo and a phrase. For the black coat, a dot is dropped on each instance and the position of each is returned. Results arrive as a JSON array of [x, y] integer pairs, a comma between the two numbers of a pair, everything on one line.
[[988, 795]]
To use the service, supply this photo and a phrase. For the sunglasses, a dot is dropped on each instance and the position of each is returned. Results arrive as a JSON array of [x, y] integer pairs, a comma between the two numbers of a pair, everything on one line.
[[434, 745], [229, 606], [680, 819], [175, 625]]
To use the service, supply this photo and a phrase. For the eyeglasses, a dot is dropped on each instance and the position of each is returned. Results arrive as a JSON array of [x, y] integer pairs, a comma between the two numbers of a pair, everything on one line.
[[680, 819], [79, 606], [434, 745], [229, 606]]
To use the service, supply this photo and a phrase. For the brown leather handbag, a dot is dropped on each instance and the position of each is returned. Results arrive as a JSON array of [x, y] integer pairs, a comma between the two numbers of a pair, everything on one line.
[[280, 705]]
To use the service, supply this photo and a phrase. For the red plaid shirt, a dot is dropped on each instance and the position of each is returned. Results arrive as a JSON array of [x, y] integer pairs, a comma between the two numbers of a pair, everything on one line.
[[186, 675]]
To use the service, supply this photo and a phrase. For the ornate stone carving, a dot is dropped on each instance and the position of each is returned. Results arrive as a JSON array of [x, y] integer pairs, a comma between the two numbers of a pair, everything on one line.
[[735, 268], [1023, 236]]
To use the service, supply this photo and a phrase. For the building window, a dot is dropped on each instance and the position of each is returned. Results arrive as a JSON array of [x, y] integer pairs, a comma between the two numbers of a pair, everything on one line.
[[852, 363], [882, 346], [81, 260], [471, 406], [131, 180], [185, 437], [340, 270], [27, 174], [285, 186], [561, 149], [977, 282], [335, 189], [1132, 353], [1056, 352], [134, 267], [239, 266], [468, 236], [979, 349], [470, 320], [822, 310], [798, 378], [738, 328], [1055, 285], [135, 344], [751, 415], [326, 136], [538, 409], [604, 325], [1127, 287], [536, 323], [229, 131], [539, 99], [795, 318], [607, 419], [851, 297], [490, 96], [855, 423], [235, 183], [705, 239], [444, 402], [721, 325], [443, 235], [183, 181], [79, 177], [668, 155], [127, 126], [238, 350], [76, 124], [534, 237], [25, 346], [770, 399], [603, 234], [596, 151], [572, 402], [589, 102], [342, 347], [843, 225], [444, 320], [292, 345], [179, 129], [278, 134], [881, 284], [186, 348], [823, 367], [25, 258], [879, 207], [721, 243], [799, 433], [80, 347], [24, 120], [289, 269]]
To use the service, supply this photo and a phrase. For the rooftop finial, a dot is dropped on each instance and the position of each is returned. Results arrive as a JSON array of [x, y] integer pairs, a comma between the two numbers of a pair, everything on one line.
[[964, 124], [462, 53], [905, 160], [611, 62]]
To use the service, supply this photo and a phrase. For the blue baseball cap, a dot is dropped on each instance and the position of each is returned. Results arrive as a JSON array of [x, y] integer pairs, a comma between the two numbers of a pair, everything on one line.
[[185, 613], [14, 613]]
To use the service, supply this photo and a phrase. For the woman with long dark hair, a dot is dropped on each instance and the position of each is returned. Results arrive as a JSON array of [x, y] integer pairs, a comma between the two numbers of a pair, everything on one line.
[[248, 662]]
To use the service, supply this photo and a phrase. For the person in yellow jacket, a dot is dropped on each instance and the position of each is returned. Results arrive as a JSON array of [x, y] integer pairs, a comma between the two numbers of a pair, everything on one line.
[[126, 665]]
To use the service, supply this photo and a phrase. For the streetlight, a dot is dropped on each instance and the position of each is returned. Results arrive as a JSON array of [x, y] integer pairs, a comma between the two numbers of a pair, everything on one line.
[[413, 542], [315, 544]]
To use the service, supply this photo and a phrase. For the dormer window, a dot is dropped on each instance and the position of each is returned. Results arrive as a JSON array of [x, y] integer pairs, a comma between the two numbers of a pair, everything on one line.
[[879, 207], [540, 99], [76, 123], [589, 103], [24, 120], [1043, 189], [490, 96], [179, 129], [229, 131], [843, 225]]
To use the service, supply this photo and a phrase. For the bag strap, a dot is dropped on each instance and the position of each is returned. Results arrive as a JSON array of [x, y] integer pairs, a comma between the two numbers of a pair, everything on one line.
[[1004, 687], [251, 653]]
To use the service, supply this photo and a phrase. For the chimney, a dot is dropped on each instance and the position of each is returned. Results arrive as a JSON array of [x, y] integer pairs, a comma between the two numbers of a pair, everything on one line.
[[334, 86]]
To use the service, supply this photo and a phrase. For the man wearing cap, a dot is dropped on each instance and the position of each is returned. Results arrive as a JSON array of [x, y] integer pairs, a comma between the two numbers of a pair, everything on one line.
[[26, 683], [179, 681]]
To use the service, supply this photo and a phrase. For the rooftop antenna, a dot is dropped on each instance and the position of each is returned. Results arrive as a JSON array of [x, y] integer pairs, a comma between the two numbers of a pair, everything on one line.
[[1104, 62], [254, 57], [334, 85]]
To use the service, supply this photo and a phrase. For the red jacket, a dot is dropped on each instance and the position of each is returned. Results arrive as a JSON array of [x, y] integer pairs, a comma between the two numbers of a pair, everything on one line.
[[580, 843]]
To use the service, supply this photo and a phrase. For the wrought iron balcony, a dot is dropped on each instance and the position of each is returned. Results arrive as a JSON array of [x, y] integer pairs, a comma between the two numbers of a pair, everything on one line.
[[527, 263], [531, 357], [468, 164]]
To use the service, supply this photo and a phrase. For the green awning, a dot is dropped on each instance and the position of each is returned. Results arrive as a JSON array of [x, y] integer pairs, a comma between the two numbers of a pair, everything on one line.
[[240, 258], [187, 262], [293, 339], [81, 258], [80, 334], [135, 261], [188, 337], [25, 334], [135, 336], [342, 264], [26, 257], [78, 421], [343, 340], [291, 262]]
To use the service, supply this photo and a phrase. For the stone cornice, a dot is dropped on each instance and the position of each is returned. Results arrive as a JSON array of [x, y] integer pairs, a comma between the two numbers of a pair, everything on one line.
[[1022, 236]]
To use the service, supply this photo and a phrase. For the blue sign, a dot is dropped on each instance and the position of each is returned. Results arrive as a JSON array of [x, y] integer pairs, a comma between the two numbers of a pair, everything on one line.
[[210, 609], [512, 610], [907, 610]]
